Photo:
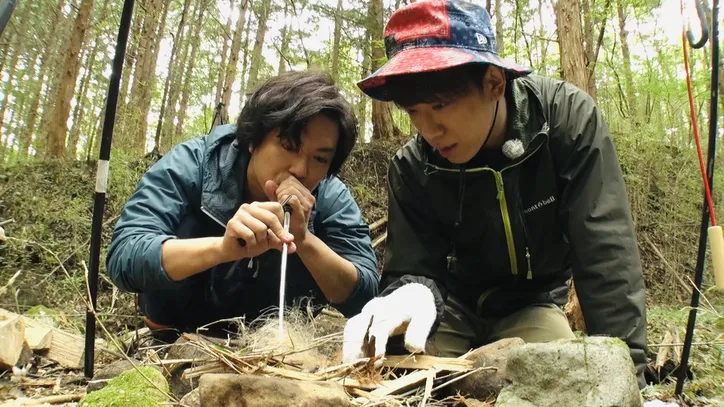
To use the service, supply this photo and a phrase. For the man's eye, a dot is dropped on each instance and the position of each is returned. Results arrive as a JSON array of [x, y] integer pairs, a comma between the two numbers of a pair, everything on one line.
[[438, 106], [322, 160]]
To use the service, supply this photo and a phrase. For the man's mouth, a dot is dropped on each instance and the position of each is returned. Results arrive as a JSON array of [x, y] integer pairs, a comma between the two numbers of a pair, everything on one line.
[[446, 151]]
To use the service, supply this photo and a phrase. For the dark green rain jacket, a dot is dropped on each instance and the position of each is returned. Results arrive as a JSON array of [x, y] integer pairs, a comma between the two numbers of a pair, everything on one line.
[[500, 239]]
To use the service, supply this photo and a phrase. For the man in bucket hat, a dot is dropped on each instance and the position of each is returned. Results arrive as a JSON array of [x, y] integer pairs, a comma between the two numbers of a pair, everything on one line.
[[511, 187]]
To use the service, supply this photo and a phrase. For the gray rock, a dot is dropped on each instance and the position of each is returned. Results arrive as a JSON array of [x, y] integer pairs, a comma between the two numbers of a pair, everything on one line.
[[224, 389], [488, 383], [191, 399], [587, 372]]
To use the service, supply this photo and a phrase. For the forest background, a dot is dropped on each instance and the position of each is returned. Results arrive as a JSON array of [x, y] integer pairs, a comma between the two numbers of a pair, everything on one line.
[[190, 63]]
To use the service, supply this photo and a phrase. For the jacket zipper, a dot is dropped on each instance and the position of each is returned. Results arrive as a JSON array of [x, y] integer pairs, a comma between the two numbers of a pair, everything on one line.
[[506, 221], [529, 276], [503, 209]]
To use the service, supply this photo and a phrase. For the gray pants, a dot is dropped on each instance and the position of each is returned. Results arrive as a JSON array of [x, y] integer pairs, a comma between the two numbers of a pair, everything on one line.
[[461, 330]]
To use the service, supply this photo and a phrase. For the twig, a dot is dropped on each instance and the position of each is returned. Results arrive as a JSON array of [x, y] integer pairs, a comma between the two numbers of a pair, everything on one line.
[[463, 376], [374, 226], [62, 398], [661, 345], [671, 269], [4, 288], [379, 240], [5, 222]]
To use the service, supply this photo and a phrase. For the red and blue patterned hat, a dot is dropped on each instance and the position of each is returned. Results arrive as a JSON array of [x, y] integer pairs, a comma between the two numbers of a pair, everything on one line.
[[432, 35]]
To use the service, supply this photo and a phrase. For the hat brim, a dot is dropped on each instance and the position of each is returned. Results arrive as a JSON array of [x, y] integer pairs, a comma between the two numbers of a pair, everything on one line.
[[430, 59]]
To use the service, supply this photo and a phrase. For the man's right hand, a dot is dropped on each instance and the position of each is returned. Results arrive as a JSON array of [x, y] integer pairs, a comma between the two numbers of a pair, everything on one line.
[[259, 224], [410, 309]]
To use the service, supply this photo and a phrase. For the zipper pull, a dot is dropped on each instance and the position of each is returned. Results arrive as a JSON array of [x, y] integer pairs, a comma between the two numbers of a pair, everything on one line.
[[530, 270], [251, 263]]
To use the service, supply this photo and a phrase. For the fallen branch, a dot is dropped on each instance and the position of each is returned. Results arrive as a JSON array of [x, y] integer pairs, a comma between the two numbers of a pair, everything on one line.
[[428, 362], [62, 398], [5, 222], [377, 224], [379, 240]]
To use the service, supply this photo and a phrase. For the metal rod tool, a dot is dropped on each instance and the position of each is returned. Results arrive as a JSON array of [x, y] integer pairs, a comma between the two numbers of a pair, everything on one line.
[[283, 274]]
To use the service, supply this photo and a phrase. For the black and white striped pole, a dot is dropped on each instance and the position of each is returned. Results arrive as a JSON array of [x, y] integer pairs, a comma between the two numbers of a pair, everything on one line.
[[102, 181], [6, 10]]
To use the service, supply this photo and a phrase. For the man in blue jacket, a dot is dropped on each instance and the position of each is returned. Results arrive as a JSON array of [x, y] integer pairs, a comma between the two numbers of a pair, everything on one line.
[[177, 242]]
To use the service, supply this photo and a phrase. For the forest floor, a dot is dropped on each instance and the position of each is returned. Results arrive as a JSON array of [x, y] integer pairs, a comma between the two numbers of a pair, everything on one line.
[[46, 211]]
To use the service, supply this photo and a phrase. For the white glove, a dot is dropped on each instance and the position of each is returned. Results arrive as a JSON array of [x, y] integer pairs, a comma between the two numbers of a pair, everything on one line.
[[411, 306]]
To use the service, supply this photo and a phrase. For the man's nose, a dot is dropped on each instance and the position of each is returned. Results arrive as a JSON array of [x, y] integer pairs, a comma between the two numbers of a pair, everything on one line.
[[299, 167], [431, 128]]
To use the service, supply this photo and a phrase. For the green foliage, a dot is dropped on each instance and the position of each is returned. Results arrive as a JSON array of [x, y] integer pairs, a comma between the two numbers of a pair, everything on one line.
[[51, 204]]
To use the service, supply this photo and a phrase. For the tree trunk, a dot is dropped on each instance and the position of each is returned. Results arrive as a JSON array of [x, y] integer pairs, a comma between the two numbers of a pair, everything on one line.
[[628, 75], [176, 74], [144, 78], [285, 36], [365, 71], [499, 27], [224, 54], [382, 124], [186, 94], [245, 63], [541, 32], [230, 75], [130, 63], [337, 40], [256, 57], [29, 133], [570, 43], [61, 108], [16, 49], [79, 110]]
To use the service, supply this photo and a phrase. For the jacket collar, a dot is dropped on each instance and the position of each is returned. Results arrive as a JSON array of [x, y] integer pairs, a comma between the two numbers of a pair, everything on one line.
[[223, 173]]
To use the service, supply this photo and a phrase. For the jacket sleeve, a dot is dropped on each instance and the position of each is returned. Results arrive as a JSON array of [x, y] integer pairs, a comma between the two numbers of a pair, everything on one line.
[[415, 251], [596, 215], [346, 233], [151, 216]]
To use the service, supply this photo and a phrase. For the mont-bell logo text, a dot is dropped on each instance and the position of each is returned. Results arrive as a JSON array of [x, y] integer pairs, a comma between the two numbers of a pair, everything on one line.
[[540, 204]]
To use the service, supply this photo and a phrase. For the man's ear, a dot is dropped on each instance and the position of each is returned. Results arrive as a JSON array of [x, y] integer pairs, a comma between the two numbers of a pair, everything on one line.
[[251, 148], [494, 82]]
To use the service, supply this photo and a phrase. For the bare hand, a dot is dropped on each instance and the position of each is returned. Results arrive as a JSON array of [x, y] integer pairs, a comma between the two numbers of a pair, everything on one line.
[[302, 202], [259, 224]]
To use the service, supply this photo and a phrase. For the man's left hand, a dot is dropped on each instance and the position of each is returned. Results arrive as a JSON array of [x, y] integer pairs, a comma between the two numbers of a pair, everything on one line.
[[302, 202]]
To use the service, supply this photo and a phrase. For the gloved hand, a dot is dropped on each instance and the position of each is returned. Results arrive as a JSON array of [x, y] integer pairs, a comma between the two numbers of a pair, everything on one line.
[[409, 309]]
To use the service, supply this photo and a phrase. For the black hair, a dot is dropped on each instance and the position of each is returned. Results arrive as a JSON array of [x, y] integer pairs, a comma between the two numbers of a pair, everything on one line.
[[287, 102], [435, 86]]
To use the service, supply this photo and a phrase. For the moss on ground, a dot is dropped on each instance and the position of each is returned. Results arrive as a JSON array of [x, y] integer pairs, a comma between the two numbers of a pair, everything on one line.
[[130, 388]]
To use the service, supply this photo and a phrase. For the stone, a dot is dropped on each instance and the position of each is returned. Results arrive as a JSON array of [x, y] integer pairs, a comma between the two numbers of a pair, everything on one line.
[[191, 399], [131, 388], [488, 383], [585, 372], [228, 389]]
